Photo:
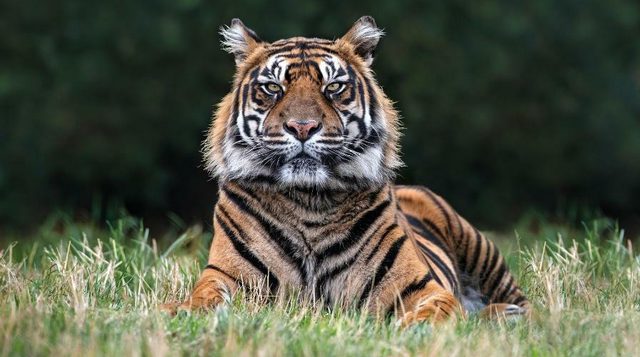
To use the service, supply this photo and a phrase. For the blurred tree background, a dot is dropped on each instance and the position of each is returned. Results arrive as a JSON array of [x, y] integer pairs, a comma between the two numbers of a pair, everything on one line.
[[508, 107]]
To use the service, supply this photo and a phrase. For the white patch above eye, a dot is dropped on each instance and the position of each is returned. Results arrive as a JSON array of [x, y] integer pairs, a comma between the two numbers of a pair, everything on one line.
[[325, 70], [277, 68], [330, 68]]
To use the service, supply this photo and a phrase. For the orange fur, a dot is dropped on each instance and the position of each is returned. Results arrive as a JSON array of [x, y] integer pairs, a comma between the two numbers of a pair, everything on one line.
[[362, 242]]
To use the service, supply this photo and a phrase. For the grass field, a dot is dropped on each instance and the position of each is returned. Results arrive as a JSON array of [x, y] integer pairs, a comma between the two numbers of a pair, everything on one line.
[[78, 290]]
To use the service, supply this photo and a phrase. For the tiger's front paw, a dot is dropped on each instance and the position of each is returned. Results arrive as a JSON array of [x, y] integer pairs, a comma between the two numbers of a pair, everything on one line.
[[435, 310], [193, 304], [170, 308]]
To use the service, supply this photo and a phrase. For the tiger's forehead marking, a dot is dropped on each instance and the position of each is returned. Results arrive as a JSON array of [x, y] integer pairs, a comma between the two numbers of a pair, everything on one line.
[[298, 57], [305, 43]]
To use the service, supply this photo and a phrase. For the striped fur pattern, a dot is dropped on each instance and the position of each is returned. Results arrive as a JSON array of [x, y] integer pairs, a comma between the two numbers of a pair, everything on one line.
[[305, 147]]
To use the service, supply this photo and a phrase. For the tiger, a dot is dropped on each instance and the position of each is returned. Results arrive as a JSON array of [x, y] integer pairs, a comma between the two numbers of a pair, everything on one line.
[[305, 148]]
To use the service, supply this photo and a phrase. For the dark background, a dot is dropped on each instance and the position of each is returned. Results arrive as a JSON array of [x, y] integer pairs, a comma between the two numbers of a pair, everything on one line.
[[508, 108]]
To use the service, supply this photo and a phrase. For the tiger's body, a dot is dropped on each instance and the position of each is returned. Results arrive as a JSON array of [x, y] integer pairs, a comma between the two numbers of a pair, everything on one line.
[[305, 148]]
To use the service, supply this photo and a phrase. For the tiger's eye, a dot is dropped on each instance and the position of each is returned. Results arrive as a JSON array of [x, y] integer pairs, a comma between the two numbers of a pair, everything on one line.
[[273, 88], [333, 87]]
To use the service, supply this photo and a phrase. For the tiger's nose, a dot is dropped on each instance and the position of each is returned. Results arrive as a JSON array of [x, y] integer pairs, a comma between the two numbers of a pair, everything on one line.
[[302, 129]]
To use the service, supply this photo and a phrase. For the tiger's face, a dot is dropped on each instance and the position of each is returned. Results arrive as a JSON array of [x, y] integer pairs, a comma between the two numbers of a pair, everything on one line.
[[304, 112]]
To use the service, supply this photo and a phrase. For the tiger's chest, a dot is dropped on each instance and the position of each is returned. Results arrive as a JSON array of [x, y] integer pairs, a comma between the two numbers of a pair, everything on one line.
[[327, 266], [323, 251]]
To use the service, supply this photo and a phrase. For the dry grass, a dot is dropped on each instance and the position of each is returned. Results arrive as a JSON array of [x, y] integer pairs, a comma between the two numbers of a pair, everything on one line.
[[95, 293]]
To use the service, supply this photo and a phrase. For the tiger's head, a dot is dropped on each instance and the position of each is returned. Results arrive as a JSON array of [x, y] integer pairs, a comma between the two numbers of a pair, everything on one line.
[[304, 112]]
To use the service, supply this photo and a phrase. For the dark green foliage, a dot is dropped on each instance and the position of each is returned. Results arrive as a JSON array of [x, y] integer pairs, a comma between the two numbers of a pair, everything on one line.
[[506, 106]]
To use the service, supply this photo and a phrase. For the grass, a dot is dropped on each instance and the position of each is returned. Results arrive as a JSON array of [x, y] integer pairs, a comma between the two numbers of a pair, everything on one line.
[[79, 290]]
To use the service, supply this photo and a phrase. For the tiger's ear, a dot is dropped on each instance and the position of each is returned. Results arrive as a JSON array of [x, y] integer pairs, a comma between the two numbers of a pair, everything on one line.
[[239, 40], [364, 36]]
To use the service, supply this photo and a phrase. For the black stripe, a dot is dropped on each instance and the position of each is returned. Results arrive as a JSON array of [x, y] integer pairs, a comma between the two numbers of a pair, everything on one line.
[[440, 207], [233, 224], [476, 253], [213, 267], [416, 286], [274, 233], [304, 56], [245, 94], [357, 231], [247, 255], [519, 300], [314, 65], [491, 292], [301, 46], [373, 101], [410, 289], [353, 81], [322, 280], [506, 290], [460, 242], [283, 43], [382, 270], [311, 224], [329, 142], [330, 274], [462, 258], [435, 276], [434, 258], [488, 267], [426, 233], [377, 246], [485, 261], [434, 228]]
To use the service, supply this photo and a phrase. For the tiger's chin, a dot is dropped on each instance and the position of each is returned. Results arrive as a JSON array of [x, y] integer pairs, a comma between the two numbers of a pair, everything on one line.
[[305, 171]]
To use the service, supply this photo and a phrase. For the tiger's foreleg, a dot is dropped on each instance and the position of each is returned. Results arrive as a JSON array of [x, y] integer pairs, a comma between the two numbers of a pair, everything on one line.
[[212, 289], [432, 304]]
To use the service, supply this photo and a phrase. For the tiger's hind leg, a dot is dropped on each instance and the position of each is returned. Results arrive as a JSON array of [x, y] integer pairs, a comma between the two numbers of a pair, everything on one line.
[[487, 287], [475, 302], [480, 259], [499, 311]]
